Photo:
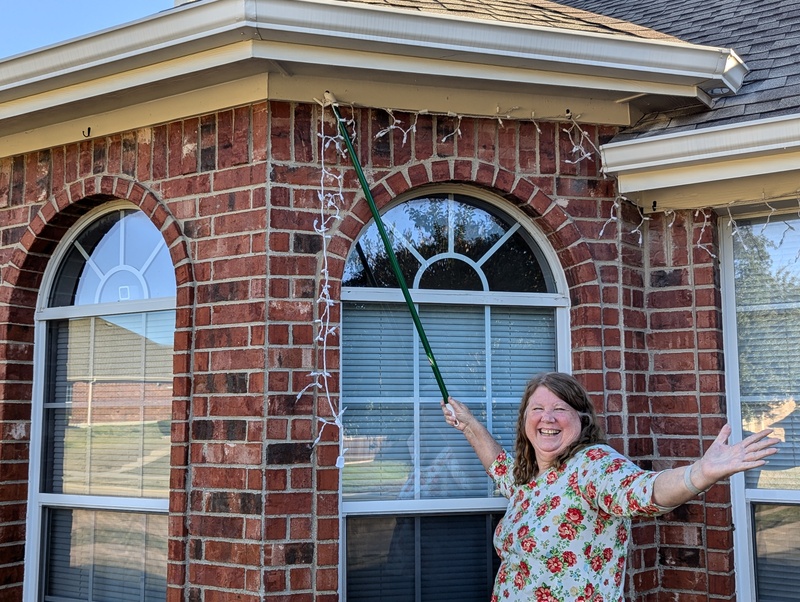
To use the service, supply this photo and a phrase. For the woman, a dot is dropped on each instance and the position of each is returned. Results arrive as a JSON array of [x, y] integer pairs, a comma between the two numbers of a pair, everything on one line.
[[564, 536]]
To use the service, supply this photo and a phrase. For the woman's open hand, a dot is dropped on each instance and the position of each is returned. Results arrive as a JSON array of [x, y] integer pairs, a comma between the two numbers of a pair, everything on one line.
[[722, 460]]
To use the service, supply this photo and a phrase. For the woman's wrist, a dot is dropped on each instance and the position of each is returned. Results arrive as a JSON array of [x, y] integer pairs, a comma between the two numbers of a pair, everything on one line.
[[690, 479]]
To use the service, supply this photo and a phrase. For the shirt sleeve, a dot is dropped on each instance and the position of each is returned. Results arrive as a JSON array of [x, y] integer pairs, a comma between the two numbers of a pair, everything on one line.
[[502, 473], [615, 485]]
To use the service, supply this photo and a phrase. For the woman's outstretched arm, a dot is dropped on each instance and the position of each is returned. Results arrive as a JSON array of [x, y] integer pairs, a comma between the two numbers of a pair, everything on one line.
[[678, 485], [478, 436]]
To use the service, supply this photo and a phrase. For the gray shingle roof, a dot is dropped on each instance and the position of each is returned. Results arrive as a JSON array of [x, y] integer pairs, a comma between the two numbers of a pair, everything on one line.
[[765, 33], [531, 12]]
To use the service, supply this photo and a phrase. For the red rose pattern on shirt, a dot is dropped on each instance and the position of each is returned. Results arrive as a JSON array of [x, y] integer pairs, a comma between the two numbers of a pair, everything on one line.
[[564, 536]]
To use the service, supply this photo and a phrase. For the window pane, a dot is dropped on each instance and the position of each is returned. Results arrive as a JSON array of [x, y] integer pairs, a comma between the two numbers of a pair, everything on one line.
[[523, 344], [448, 466], [457, 334], [105, 556], [377, 350], [767, 281], [108, 411], [421, 558], [379, 438], [450, 273], [514, 267], [777, 533]]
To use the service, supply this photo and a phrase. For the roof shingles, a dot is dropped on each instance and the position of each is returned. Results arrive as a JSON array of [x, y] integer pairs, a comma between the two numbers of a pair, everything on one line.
[[764, 33]]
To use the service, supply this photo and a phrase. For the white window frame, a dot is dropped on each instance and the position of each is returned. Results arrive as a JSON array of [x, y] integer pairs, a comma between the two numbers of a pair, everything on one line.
[[741, 497], [559, 301], [38, 502]]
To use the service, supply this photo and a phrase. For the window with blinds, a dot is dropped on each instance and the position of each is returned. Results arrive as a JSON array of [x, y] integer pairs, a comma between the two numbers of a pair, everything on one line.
[[98, 505], [764, 276], [419, 508]]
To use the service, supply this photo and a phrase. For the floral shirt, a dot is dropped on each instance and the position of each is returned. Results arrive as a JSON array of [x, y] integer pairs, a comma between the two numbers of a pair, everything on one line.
[[564, 536]]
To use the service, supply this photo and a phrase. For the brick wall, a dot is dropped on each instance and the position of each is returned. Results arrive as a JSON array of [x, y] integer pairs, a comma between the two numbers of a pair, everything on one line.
[[253, 512]]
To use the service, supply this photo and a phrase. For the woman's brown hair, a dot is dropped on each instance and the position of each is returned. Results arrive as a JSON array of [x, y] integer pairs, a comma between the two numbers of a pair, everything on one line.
[[566, 388]]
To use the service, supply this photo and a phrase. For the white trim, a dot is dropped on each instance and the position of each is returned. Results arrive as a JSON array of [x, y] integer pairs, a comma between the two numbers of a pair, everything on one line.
[[772, 496], [106, 309], [395, 295], [697, 156], [429, 506], [328, 24], [677, 169], [744, 558], [95, 502], [703, 145]]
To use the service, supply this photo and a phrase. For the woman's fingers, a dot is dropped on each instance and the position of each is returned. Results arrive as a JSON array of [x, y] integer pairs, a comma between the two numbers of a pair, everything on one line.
[[451, 410]]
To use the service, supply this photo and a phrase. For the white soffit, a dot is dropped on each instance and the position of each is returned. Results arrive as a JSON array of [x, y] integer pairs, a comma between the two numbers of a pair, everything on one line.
[[713, 166], [469, 48]]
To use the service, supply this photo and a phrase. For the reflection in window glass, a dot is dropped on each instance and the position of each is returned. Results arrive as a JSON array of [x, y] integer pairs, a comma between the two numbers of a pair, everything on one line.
[[444, 557], [108, 410], [767, 281], [777, 533], [449, 242], [94, 556]]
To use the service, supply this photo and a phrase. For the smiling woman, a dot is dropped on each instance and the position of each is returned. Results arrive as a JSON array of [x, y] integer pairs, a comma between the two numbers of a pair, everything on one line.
[[566, 476]]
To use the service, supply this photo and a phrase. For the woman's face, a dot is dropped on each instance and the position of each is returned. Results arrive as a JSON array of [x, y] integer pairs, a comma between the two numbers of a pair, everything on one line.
[[551, 425]]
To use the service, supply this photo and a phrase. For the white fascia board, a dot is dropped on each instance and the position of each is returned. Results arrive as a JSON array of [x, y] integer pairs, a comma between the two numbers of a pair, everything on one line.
[[202, 26], [699, 156]]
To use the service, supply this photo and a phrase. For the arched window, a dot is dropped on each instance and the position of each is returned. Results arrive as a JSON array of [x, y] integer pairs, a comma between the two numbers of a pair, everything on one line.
[[100, 442], [419, 509]]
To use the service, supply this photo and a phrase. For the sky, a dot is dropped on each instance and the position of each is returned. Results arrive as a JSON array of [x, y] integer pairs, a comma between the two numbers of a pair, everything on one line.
[[30, 24]]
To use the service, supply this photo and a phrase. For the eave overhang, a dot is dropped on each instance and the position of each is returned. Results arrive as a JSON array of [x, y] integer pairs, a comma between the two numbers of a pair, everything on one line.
[[710, 167], [297, 42]]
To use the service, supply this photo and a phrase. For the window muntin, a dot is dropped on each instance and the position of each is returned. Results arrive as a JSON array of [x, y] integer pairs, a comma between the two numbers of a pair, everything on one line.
[[761, 294], [102, 414], [494, 316]]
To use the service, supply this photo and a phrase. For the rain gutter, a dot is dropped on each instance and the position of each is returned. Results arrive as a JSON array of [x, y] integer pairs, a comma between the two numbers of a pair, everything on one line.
[[622, 62]]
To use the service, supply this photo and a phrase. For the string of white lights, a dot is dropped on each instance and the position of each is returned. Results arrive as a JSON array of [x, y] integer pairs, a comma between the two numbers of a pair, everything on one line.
[[331, 201]]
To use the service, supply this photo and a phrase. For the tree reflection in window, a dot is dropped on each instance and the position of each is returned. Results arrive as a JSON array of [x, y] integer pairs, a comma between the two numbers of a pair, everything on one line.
[[451, 242]]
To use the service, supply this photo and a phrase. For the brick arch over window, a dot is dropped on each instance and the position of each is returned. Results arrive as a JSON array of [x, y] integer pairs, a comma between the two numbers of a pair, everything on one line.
[[573, 253], [21, 280]]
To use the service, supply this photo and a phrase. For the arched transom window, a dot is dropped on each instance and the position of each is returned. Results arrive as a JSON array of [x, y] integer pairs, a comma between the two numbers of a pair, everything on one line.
[[419, 509]]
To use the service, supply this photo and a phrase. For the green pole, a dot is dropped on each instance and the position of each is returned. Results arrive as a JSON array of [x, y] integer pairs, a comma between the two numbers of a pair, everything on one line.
[[390, 252]]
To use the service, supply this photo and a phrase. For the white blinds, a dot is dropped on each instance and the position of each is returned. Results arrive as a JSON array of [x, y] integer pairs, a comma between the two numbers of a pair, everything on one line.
[[382, 357], [378, 358]]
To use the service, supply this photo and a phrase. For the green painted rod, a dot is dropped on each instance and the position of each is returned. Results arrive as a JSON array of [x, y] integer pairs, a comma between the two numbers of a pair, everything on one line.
[[389, 251]]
